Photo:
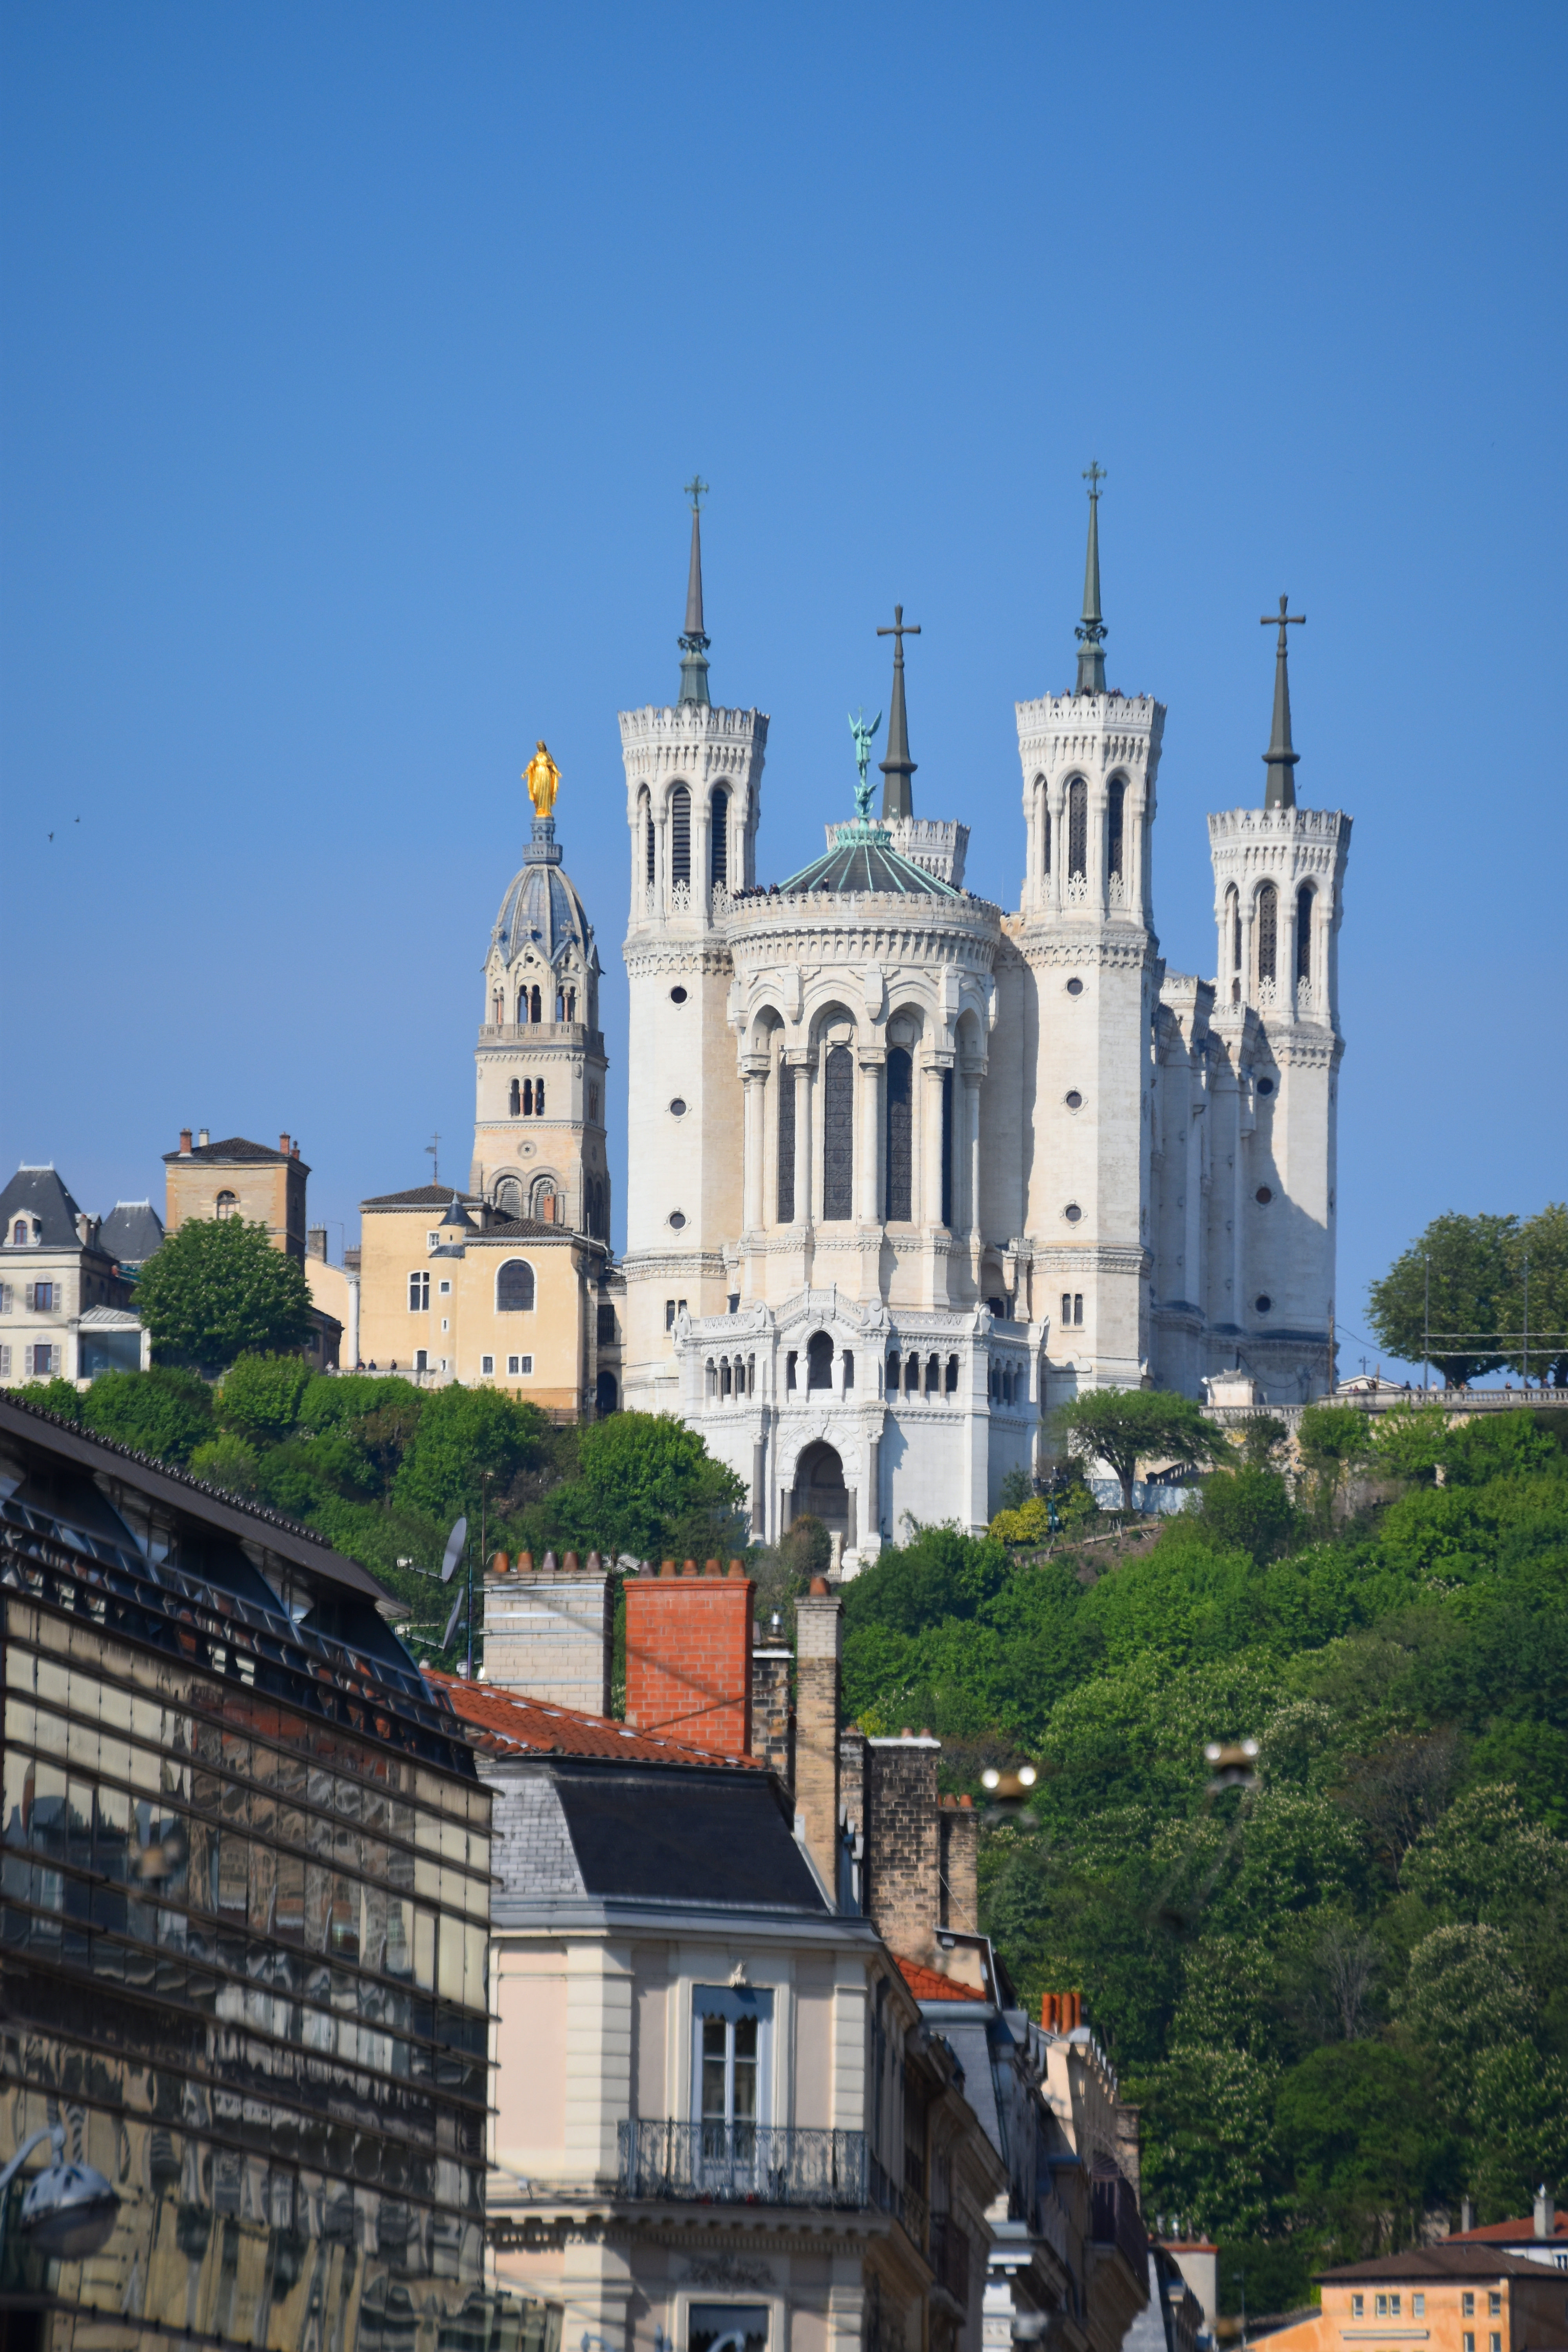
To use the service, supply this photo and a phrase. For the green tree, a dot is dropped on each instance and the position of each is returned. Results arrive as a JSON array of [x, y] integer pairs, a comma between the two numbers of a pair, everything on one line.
[[1543, 1241], [1453, 1284], [1360, 2132], [646, 1485], [228, 1461], [164, 1413], [1333, 1439], [463, 1432], [218, 1289], [1248, 1510], [63, 1396], [1126, 1427], [261, 1396]]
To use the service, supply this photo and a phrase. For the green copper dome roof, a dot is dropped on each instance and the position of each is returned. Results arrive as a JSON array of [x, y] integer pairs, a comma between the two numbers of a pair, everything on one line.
[[863, 858]]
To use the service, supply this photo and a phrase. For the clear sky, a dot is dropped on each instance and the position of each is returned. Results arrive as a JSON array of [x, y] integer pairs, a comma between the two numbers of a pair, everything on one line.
[[354, 357]]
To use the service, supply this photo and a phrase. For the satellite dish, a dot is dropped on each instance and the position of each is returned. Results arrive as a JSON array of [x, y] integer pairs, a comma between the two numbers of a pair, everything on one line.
[[452, 1621], [454, 1551]]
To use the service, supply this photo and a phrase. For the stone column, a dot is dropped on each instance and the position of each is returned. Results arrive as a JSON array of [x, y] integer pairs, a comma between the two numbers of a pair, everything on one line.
[[931, 1131], [754, 1079], [868, 1192], [819, 1649], [800, 1061]]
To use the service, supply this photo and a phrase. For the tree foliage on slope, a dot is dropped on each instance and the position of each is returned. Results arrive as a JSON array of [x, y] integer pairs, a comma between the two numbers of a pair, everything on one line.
[[1343, 1998]]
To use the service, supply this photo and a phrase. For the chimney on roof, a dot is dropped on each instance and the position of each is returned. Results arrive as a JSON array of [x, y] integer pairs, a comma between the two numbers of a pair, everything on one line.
[[294, 1151], [903, 1849], [957, 1837], [689, 1658], [549, 1636], [316, 1241], [1545, 2212], [819, 1652], [773, 1717], [283, 1145], [184, 1142], [1466, 2214], [204, 1138]]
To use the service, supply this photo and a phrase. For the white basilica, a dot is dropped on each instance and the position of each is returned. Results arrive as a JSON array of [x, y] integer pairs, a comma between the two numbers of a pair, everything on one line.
[[905, 1168]]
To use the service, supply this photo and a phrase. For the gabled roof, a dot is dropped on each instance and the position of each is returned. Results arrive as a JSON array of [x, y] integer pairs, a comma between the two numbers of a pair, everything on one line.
[[232, 1146], [38, 1193], [511, 1723], [1444, 2260], [132, 1232], [928, 1984]]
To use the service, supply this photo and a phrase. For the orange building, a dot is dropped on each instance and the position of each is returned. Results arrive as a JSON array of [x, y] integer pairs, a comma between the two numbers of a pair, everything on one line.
[[1454, 2296], [238, 1178]]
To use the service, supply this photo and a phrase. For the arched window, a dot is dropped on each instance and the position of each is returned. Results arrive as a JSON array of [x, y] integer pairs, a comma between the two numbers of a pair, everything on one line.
[[645, 820], [819, 1360], [539, 1098], [952, 1376], [1304, 898], [933, 1376], [712, 1371], [509, 1197], [542, 1200], [500, 1008], [514, 1287], [847, 1366], [1233, 926], [1267, 931], [838, 1134], [528, 1098], [514, 1100], [719, 837], [900, 1134], [570, 1004], [912, 1376], [785, 1173], [1045, 825], [1078, 826], [535, 1015], [726, 1377], [226, 1205], [560, 1004], [894, 1371], [681, 834], [1115, 814], [19, 1231]]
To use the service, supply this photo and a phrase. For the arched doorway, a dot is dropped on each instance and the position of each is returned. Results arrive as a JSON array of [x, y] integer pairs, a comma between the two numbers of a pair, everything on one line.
[[819, 1488]]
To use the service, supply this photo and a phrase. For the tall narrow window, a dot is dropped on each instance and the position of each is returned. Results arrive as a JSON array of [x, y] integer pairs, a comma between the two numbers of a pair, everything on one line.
[[1044, 825], [900, 1129], [1267, 931], [418, 1294], [1115, 827], [539, 1098], [732, 2079], [838, 1134], [1233, 926], [514, 1102], [1078, 826], [719, 837], [947, 1148], [786, 1144], [645, 819], [681, 834], [819, 1360], [534, 1015], [1304, 934]]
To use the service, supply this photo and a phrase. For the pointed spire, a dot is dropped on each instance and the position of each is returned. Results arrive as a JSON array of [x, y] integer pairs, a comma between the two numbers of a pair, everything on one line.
[[897, 767], [1280, 757], [693, 641], [1090, 631]]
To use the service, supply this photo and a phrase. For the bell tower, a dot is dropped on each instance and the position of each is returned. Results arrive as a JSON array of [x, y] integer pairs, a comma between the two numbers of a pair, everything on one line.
[[694, 774], [1279, 897], [1087, 932]]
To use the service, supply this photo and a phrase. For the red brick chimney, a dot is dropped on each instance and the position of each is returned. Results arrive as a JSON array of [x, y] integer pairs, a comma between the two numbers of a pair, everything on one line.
[[689, 1655], [283, 1145], [184, 1142]]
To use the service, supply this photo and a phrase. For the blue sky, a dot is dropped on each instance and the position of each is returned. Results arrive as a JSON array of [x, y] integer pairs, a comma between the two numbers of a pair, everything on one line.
[[354, 357]]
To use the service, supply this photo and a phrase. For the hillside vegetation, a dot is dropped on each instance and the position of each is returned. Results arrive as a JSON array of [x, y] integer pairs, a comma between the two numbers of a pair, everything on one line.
[[1340, 1998]]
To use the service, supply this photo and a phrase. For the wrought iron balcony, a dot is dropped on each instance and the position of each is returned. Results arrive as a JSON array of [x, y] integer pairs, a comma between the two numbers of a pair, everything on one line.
[[1118, 2222], [950, 2257], [742, 2164]]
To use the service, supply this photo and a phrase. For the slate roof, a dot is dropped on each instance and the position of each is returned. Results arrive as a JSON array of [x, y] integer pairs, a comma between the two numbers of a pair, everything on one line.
[[232, 1146], [863, 858], [423, 1196], [1444, 2260], [542, 909], [132, 1232], [511, 1723], [38, 1193]]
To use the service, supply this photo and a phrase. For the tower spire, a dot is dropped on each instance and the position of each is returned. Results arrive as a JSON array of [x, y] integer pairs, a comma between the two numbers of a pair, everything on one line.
[[897, 767], [1280, 757], [1090, 631], [693, 640]]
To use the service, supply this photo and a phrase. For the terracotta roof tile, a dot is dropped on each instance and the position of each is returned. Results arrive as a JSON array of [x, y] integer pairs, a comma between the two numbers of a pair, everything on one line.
[[1496, 2233], [926, 1984], [507, 1722]]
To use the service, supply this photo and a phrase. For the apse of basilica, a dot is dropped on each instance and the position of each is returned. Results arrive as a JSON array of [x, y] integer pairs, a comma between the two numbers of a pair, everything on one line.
[[906, 1170]]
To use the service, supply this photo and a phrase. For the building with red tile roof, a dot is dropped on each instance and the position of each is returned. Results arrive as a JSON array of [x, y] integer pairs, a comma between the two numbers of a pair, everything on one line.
[[510, 1723]]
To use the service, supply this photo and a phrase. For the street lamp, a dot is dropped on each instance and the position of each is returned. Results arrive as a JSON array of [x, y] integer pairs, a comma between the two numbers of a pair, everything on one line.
[[1232, 1761], [70, 2209]]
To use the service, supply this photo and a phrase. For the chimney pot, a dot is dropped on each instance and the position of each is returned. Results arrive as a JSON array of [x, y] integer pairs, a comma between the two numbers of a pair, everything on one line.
[[709, 1568], [500, 1564], [572, 1564], [688, 1568], [525, 1563], [550, 1567], [204, 1138], [666, 1568], [595, 1565], [737, 1567], [294, 1149], [185, 1141], [819, 1588], [967, 1802], [283, 1145], [1544, 2216]]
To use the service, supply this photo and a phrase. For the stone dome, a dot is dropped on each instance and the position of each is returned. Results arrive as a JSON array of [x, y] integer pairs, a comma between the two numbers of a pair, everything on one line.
[[542, 909]]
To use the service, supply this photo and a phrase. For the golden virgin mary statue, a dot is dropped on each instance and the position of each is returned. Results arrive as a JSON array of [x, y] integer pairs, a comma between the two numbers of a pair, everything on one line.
[[542, 778]]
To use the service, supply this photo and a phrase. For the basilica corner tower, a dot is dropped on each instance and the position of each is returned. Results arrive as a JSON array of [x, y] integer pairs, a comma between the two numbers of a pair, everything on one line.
[[540, 1067]]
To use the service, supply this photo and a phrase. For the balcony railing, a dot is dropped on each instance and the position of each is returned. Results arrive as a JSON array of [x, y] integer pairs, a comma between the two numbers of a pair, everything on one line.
[[742, 2164], [950, 2257], [1117, 2222]]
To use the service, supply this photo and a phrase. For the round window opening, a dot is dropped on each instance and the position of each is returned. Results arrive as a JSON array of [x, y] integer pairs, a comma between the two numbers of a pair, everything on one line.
[[677, 996], [1263, 1302], [1074, 987], [1266, 1086], [1072, 1212], [678, 1109], [1075, 1100], [678, 1218], [1264, 1195]]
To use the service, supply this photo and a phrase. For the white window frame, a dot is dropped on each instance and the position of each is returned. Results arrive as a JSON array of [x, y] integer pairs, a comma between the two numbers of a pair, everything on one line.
[[487, 1367], [419, 1292]]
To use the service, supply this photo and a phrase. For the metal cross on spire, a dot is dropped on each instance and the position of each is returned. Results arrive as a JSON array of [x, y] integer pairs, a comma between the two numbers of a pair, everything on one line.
[[693, 640], [1281, 757], [898, 767], [696, 490], [1090, 631], [1094, 474], [1282, 620]]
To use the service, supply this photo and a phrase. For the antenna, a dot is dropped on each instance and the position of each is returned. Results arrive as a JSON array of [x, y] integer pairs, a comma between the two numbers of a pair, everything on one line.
[[458, 1606]]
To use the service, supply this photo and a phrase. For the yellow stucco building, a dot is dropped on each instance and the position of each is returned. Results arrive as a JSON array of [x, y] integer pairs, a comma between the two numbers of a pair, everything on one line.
[[509, 1283]]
